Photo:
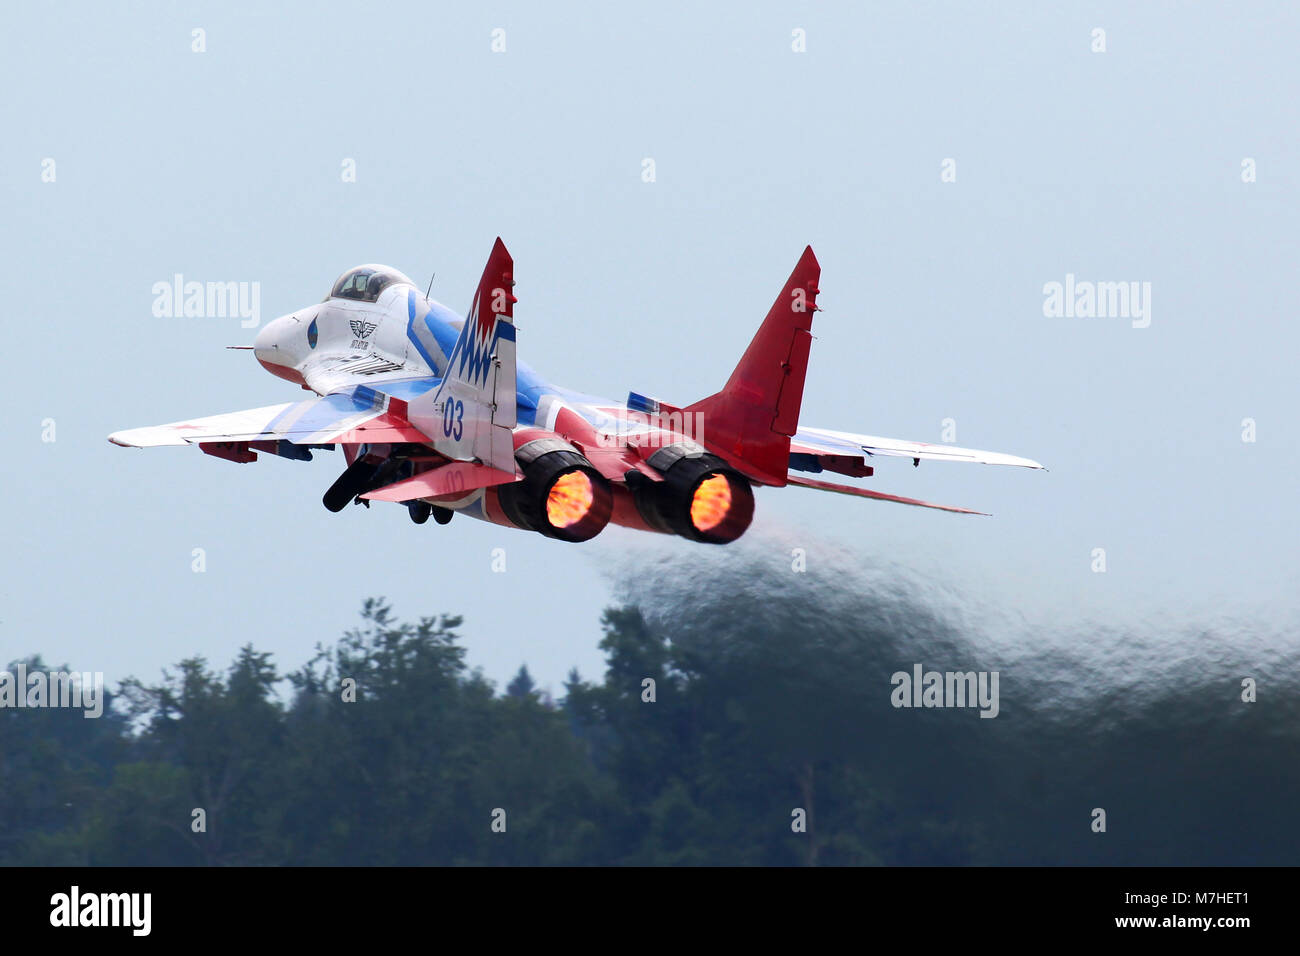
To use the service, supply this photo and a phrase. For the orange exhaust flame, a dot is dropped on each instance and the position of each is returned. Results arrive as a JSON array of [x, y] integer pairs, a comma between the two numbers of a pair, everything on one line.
[[711, 502], [569, 500]]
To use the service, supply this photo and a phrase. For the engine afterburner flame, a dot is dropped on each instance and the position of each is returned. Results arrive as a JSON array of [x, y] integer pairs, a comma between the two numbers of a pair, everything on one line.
[[569, 499], [711, 502]]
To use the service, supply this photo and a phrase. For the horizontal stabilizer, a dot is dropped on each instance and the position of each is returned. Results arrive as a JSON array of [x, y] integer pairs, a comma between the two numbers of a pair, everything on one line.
[[878, 495], [457, 477]]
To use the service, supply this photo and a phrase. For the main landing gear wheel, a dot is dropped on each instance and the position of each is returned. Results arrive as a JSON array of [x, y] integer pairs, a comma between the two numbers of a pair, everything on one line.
[[442, 515], [419, 511]]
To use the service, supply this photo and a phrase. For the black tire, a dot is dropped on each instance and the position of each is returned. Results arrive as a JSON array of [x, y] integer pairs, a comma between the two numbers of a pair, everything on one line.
[[419, 511]]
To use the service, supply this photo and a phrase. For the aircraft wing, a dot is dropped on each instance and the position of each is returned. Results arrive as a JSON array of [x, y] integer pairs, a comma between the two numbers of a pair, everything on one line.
[[823, 443], [350, 416]]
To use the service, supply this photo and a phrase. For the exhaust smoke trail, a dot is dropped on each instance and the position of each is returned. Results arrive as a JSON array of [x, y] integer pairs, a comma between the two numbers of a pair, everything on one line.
[[1146, 721]]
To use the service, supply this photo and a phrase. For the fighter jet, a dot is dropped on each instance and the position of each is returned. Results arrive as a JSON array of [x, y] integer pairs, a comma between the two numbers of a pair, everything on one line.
[[433, 412]]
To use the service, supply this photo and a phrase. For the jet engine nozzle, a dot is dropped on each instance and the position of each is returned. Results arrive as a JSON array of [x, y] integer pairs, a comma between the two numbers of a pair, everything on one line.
[[701, 497], [561, 495]]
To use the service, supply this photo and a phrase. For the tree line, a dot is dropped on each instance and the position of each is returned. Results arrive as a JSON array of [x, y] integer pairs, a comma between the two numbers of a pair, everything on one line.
[[715, 738]]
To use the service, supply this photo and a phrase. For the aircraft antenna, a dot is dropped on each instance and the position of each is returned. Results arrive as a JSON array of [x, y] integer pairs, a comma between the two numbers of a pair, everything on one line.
[[430, 289]]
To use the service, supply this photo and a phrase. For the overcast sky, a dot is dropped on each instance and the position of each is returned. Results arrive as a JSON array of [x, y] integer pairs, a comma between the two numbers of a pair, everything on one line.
[[1126, 165]]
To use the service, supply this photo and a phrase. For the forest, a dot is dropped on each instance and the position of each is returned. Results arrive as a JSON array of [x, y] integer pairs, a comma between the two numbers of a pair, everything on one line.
[[752, 726]]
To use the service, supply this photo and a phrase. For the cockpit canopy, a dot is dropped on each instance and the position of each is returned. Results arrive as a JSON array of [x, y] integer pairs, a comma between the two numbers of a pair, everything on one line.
[[364, 283]]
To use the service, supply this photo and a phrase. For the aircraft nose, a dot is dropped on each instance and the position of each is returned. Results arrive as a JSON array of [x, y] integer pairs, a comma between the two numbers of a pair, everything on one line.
[[283, 344], [264, 344], [277, 342]]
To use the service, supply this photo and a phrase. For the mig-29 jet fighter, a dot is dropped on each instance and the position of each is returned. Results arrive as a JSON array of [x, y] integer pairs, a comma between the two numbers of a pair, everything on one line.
[[434, 412]]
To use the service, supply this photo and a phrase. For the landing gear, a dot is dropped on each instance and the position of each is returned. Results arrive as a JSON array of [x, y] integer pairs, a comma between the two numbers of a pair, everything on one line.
[[351, 483], [376, 468], [421, 510]]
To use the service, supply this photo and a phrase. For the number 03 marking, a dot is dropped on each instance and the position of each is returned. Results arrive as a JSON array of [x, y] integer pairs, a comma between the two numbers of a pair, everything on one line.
[[453, 418]]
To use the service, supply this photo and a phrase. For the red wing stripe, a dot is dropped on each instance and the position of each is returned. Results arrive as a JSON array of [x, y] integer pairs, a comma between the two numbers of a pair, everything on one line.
[[385, 427]]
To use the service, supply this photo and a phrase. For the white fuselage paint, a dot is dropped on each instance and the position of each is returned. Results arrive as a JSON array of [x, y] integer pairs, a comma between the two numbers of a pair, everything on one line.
[[356, 342]]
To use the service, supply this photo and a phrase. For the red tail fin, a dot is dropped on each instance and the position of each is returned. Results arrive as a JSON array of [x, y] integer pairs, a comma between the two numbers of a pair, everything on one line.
[[749, 422]]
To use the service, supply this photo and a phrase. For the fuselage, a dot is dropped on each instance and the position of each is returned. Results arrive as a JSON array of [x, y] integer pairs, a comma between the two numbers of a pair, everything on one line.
[[377, 331]]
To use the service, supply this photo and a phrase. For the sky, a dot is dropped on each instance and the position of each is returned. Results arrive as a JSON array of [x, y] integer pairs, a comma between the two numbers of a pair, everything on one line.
[[947, 162]]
